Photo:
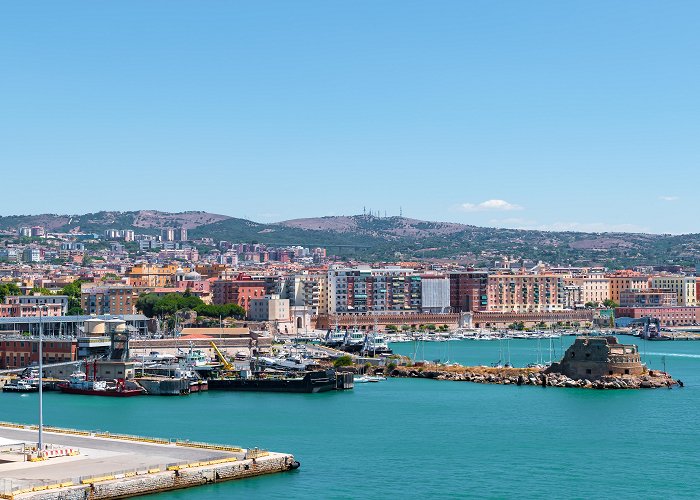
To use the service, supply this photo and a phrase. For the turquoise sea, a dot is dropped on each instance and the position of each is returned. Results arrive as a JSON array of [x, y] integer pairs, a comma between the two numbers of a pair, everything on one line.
[[424, 438]]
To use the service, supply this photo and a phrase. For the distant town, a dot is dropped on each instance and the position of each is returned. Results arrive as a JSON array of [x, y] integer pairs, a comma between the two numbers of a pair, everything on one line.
[[159, 284]]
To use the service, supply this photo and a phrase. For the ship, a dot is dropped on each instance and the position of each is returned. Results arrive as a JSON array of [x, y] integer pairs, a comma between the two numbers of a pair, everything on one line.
[[79, 384], [310, 382]]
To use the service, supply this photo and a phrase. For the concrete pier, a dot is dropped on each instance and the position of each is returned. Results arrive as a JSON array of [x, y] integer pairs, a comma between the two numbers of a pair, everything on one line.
[[119, 466]]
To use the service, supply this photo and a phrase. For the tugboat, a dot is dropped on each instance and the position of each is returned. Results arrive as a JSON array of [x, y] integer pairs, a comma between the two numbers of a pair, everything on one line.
[[375, 344], [79, 384], [20, 385]]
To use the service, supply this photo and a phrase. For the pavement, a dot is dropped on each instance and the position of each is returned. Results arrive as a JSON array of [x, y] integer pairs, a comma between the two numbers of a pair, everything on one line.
[[98, 457]]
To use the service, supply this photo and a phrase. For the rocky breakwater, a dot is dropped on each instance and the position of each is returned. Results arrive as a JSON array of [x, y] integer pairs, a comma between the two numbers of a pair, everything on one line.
[[533, 376]]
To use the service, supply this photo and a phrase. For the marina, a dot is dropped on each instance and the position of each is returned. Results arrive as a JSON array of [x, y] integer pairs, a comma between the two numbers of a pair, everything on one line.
[[475, 424]]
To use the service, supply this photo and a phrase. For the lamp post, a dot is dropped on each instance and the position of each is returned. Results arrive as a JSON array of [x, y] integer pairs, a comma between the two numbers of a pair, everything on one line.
[[41, 310]]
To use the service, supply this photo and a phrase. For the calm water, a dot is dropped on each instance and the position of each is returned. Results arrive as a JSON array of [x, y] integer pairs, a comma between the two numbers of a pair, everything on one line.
[[422, 438]]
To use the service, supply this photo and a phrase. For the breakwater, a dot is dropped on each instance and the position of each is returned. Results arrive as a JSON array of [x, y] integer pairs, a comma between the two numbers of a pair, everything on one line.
[[532, 376]]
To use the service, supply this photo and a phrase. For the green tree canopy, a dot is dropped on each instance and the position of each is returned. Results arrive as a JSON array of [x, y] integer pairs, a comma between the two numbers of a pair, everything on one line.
[[9, 289], [151, 305]]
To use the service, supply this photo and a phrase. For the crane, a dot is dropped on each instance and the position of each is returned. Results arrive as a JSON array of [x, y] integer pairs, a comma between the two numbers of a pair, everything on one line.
[[227, 364]]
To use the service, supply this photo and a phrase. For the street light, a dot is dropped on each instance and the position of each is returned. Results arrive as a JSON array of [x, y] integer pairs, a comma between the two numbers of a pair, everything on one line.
[[41, 310]]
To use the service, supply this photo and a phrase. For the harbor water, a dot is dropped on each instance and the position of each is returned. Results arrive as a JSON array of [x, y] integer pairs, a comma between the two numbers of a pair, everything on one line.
[[416, 438]]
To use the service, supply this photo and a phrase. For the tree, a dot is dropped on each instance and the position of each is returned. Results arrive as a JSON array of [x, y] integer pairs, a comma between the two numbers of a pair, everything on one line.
[[41, 290], [344, 360], [610, 304], [9, 289], [590, 305], [391, 328], [73, 291]]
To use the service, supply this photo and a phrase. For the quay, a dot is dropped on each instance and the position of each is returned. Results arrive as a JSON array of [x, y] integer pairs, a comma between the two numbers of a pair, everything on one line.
[[110, 466]]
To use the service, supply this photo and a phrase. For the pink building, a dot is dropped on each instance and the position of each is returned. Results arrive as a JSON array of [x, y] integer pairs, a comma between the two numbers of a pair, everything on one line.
[[15, 307], [667, 316]]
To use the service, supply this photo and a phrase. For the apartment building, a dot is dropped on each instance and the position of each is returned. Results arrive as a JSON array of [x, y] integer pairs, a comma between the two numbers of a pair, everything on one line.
[[366, 290], [469, 291], [683, 286], [525, 293], [116, 300], [25, 306], [239, 291], [626, 280]]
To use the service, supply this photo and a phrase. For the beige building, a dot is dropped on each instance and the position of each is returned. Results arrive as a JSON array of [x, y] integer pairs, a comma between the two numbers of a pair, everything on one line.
[[523, 293], [310, 291], [682, 286], [269, 308], [596, 288]]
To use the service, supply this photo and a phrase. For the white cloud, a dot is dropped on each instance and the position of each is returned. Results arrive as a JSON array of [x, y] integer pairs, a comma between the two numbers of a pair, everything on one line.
[[668, 198], [489, 205]]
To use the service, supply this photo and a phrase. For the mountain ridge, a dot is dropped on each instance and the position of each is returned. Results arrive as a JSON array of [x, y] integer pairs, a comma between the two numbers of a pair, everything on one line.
[[385, 238]]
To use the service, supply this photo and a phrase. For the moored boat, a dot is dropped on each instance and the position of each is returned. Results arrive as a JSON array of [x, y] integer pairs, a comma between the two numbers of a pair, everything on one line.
[[311, 382], [20, 385], [79, 384]]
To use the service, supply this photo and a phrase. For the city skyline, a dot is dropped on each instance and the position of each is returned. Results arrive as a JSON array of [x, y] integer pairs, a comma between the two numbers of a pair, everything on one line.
[[536, 116]]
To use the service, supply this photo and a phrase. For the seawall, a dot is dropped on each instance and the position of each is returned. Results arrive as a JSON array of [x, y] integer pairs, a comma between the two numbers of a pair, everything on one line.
[[154, 481]]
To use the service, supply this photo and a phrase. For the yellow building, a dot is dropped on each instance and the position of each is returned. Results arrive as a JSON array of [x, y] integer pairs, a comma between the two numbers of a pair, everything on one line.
[[682, 286], [149, 275]]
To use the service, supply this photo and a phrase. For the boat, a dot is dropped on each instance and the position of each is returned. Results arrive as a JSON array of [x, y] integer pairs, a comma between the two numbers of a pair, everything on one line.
[[20, 385], [311, 382], [354, 341], [375, 344], [364, 379], [334, 338], [78, 383]]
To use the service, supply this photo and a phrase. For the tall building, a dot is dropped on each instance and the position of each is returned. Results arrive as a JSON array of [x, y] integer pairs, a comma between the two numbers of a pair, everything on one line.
[[469, 291], [32, 254], [364, 289], [180, 234], [167, 234]]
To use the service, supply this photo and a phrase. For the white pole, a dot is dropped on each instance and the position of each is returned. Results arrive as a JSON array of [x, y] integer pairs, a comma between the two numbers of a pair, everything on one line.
[[41, 378]]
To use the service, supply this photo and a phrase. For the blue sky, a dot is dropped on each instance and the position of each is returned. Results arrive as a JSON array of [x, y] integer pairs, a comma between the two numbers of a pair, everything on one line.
[[540, 114]]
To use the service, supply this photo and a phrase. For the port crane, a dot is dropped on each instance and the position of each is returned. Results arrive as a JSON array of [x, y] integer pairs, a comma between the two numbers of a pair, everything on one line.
[[228, 366]]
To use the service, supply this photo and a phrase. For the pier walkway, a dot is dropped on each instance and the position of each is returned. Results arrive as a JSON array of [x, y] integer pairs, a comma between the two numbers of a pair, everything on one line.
[[112, 466]]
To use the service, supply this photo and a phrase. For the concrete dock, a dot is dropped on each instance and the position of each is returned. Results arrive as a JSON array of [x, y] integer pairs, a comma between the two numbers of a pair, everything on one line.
[[120, 466]]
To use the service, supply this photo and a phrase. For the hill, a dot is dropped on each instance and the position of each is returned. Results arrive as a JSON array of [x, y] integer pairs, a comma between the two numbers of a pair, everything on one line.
[[389, 238], [144, 221]]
